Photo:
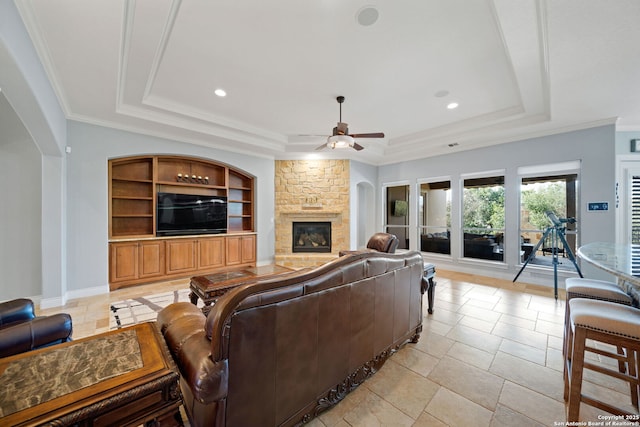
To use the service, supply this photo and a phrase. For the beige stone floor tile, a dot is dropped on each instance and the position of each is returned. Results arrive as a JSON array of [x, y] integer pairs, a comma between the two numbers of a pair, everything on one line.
[[526, 352], [404, 389], [524, 336], [430, 324], [530, 375], [374, 411], [434, 344], [486, 305], [479, 313], [471, 355], [518, 321], [555, 343], [451, 296], [470, 382], [555, 359], [487, 342], [531, 404], [475, 323], [335, 416], [514, 296], [417, 361], [426, 420], [507, 417], [516, 311], [446, 305], [445, 316], [550, 328], [456, 411], [556, 317], [556, 309]]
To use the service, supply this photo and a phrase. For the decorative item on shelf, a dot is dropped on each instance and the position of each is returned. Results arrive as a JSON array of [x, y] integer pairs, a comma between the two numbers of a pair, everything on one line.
[[193, 179], [311, 203]]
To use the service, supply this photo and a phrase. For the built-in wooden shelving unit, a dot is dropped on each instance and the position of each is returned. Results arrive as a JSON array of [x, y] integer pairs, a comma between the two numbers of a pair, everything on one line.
[[138, 255]]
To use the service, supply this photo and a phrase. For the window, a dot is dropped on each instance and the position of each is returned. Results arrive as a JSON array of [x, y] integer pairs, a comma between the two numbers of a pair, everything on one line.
[[540, 195], [397, 213], [483, 217], [435, 217]]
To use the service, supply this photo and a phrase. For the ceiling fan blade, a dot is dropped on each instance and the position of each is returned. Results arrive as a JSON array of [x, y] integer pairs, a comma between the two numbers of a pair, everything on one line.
[[322, 147], [357, 146], [367, 135]]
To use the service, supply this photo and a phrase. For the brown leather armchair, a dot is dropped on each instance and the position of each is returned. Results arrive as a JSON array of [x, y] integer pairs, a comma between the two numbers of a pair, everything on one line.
[[21, 330], [379, 242], [383, 242]]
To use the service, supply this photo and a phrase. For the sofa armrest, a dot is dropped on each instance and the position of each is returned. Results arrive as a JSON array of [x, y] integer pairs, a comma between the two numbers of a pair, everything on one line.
[[182, 325], [17, 310], [39, 332]]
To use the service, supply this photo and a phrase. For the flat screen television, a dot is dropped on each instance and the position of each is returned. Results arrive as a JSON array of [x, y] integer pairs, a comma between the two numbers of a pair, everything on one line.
[[182, 214]]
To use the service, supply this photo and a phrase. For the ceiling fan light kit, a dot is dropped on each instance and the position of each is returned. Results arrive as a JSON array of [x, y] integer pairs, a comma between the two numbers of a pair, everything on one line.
[[340, 141]]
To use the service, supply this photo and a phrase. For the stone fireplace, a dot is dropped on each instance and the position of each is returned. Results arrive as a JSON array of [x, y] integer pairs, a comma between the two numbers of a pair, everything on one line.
[[311, 191], [311, 236]]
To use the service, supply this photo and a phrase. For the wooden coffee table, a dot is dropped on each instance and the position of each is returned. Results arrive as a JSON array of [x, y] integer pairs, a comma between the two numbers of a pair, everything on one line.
[[124, 377], [211, 287]]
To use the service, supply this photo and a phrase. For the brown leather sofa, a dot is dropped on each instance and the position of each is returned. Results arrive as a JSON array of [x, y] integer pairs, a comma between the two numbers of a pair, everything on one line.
[[21, 330], [280, 351]]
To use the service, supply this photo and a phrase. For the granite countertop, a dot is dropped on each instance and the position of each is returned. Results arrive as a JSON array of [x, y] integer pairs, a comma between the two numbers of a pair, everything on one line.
[[623, 261]]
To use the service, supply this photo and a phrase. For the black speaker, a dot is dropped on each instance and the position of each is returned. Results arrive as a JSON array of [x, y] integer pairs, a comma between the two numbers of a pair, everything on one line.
[[635, 145]]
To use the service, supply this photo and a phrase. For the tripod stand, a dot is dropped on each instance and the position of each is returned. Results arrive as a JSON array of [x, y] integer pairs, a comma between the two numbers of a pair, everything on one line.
[[556, 234]]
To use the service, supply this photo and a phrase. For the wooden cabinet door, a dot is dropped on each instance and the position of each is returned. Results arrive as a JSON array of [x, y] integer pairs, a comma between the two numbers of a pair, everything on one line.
[[233, 250], [123, 262], [211, 253], [248, 249], [151, 259], [181, 255], [241, 250]]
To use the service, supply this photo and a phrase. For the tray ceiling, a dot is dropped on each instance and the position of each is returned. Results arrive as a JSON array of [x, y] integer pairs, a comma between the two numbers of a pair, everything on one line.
[[517, 69]]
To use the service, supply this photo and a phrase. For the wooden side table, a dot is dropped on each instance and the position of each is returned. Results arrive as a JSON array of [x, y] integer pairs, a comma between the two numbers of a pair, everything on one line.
[[124, 377]]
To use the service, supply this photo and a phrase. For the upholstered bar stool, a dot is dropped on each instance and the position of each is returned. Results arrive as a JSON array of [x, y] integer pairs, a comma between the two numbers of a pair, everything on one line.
[[578, 287], [592, 322]]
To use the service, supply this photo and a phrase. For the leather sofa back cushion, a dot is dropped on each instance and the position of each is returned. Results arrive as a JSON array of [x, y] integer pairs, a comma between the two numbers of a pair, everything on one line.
[[312, 341]]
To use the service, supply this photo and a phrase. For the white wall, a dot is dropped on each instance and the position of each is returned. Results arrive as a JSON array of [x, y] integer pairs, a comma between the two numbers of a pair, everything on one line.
[[595, 148], [87, 187], [27, 90], [20, 255], [362, 203]]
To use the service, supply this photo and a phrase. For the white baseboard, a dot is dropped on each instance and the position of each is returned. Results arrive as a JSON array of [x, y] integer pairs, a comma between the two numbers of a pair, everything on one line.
[[81, 293]]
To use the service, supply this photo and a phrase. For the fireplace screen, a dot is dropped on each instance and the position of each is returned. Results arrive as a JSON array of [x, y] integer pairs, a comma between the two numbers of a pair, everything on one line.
[[311, 237]]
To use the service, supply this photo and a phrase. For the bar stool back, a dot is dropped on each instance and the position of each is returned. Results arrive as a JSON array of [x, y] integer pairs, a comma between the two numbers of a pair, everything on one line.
[[601, 322]]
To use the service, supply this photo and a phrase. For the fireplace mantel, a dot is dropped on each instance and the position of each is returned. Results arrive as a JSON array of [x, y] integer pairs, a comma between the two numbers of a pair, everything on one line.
[[306, 215]]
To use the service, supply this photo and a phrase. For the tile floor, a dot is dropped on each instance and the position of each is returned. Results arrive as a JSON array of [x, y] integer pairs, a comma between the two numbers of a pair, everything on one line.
[[489, 355]]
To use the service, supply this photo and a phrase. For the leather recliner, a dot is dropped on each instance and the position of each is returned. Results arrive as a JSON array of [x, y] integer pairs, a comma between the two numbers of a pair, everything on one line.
[[379, 242], [21, 330], [383, 242]]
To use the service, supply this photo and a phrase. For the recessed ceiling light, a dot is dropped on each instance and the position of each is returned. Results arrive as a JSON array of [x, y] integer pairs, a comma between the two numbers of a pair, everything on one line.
[[452, 105], [220, 92], [367, 15]]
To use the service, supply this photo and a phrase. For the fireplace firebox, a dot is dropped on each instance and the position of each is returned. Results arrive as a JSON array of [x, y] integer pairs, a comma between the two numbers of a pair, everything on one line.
[[311, 236]]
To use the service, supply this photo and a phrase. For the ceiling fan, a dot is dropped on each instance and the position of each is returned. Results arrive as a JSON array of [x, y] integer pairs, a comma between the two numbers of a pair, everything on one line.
[[341, 138]]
